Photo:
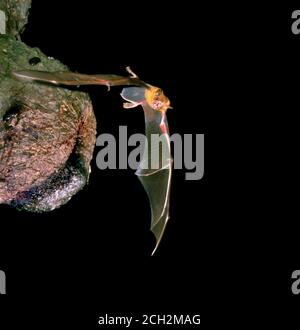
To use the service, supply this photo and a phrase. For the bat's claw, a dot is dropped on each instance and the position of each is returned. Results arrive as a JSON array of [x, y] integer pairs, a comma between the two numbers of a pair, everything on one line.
[[130, 105], [132, 74]]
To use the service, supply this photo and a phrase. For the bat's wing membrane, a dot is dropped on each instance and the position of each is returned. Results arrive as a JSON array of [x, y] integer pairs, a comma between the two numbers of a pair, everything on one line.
[[155, 168], [76, 79]]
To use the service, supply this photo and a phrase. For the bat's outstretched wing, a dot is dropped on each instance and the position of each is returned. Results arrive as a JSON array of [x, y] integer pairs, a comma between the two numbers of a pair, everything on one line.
[[155, 168], [76, 79]]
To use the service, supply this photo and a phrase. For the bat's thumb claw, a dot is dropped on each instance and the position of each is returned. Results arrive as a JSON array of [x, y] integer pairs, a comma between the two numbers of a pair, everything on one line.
[[132, 74], [128, 105]]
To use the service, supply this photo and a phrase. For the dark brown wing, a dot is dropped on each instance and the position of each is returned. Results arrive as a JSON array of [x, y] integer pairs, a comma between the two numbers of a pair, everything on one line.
[[76, 79]]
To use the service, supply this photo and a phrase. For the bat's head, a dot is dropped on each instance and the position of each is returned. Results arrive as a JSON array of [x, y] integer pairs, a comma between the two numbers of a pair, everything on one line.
[[156, 98], [151, 95]]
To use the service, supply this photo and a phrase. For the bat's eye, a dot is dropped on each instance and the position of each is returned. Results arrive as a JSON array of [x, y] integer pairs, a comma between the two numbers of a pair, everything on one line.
[[158, 92], [34, 60]]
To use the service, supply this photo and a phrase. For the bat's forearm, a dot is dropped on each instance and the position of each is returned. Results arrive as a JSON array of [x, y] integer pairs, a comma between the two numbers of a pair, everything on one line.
[[76, 79]]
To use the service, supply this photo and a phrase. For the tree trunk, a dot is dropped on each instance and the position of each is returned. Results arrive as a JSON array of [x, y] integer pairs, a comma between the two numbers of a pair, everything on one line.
[[15, 13], [47, 133]]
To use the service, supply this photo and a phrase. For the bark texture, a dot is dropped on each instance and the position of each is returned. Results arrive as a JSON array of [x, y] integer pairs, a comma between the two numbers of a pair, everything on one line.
[[47, 134], [16, 12]]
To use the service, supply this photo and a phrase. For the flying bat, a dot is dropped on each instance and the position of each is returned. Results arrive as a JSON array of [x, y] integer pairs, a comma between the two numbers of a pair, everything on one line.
[[155, 168]]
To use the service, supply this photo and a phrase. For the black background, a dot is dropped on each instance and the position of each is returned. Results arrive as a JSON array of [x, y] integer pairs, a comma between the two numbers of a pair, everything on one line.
[[232, 241], [93, 254]]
